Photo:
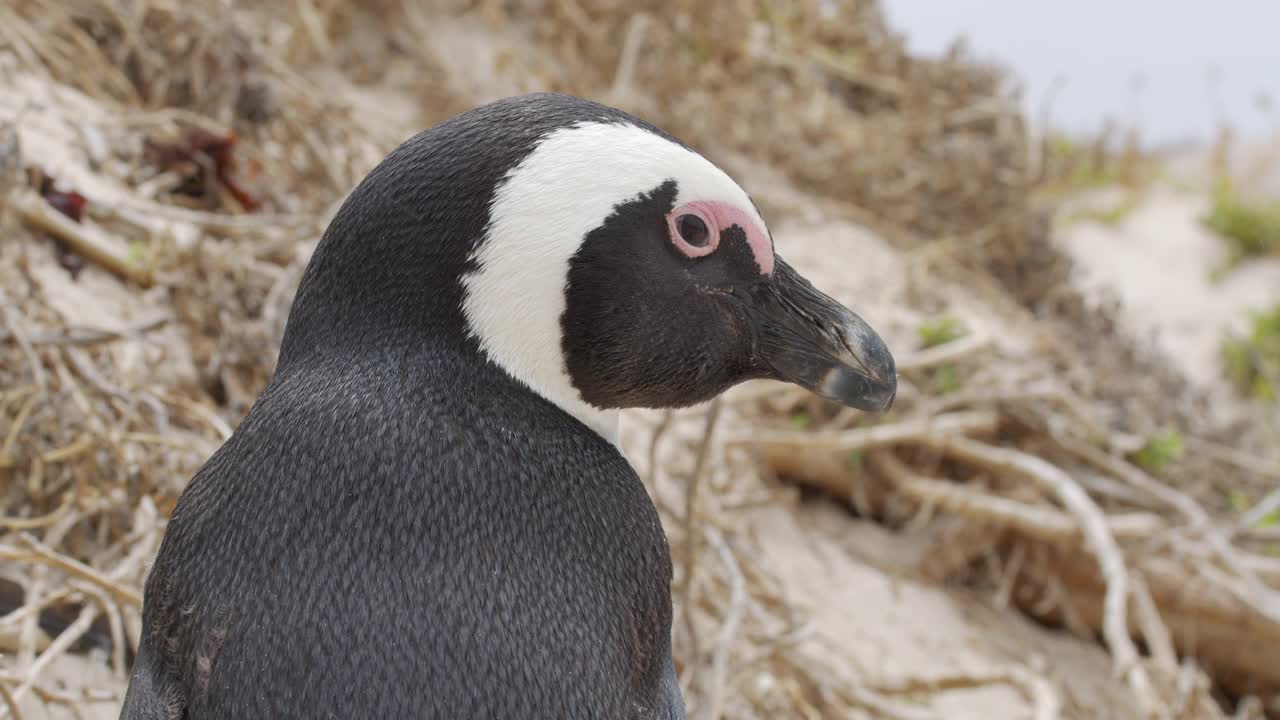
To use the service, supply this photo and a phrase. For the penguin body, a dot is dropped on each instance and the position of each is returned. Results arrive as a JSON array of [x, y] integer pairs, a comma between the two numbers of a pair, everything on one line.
[[425, 513], [456, 552]]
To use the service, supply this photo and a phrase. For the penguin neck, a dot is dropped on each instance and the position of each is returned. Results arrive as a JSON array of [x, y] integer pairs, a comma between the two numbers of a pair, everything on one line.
[[559, 391], [605, 422], [448, 366]]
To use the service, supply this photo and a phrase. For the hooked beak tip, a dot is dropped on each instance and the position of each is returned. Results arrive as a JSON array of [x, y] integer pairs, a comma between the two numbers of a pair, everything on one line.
[[865, 392], [866, 377]]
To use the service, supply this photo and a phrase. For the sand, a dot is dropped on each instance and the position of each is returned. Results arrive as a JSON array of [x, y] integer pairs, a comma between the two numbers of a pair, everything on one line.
[[1157, 262]]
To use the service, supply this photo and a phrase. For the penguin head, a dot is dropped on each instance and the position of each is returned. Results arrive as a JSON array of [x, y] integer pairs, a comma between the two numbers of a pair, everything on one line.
[[620, 269], [587, 254]]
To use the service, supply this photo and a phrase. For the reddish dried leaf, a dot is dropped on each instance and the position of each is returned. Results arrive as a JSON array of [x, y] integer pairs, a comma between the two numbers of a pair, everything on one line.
[[69, 203], [218, 150], [69, 260], [242, 195]]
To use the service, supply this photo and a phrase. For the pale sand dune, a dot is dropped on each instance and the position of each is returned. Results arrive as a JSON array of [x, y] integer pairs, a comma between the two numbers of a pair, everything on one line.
[[856, 577], [1157, 262]]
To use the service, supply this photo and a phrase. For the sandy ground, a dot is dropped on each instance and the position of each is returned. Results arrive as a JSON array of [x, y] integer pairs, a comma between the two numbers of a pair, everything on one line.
[[1157, 259], [873, 605], [858, 579]]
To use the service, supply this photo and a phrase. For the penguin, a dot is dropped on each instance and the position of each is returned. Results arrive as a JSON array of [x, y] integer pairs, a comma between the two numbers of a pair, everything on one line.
[[426, 513]]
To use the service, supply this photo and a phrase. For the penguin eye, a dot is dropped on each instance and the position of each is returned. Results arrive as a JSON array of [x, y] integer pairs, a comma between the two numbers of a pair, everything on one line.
[[693, 230]]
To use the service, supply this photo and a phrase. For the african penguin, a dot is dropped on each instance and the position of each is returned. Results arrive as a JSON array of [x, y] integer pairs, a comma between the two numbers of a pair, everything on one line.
[[425, 514]]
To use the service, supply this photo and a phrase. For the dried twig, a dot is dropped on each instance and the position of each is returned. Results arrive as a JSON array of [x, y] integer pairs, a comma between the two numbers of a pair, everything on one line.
[[40, 215], [52, 558], [1098, 539], [1044, 699], [659, 430], [624, 76], [93, 336], [975, 422], [40, 521], [690, 515], [60, 645], [24, 342], [943, 354], [1154, 631], [1039, 522], [729, 627], [115, 623], [10, 702], [1265, 507]]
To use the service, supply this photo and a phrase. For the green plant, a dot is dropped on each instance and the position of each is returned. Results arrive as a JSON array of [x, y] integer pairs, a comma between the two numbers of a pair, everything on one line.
[[1161, 449], [1238, 501], [856, 460], [1252, 363], [1083, 165], [1250, 228], [1112, 158], [1269, 520], [947, 379], [939, 331]]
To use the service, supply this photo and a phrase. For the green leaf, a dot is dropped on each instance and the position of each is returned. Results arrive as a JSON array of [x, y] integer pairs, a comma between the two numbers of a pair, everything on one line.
[[1249, 228], [1271, 519], [939, 331], [856, 459], [948, 379], [1160, 450], [136, 248], [1238, 501], [1252, 363]]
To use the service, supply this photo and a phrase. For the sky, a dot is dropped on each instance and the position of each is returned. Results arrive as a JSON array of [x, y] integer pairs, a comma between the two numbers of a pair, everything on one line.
[[1103, 49]]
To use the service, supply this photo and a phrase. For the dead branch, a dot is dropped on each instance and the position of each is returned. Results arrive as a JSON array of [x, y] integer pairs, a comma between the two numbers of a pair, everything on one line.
[[729, 627], [951, 352], [1098, 539], [1204, 619], [10, 702], [975, 422], [1038, 522], [1043, 697], [1154, 631], [60, 644], [37, 213], [39, 552], [690, 519]]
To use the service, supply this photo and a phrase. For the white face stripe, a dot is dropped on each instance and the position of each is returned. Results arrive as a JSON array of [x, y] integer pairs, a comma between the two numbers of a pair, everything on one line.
[[541, 215]]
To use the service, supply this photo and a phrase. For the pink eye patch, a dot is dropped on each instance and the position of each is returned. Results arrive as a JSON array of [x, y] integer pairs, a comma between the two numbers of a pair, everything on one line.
[[695, 229]]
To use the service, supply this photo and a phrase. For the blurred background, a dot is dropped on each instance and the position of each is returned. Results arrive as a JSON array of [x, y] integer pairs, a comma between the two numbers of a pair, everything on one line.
[[1063, 217], [1176, 72]]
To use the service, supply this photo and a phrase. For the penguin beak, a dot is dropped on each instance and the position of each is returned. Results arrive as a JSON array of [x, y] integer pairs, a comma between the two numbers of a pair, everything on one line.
[[805, 337]]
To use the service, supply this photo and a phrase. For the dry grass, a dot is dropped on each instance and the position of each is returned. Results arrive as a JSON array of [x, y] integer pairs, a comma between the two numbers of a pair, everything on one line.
[[115, 386]]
